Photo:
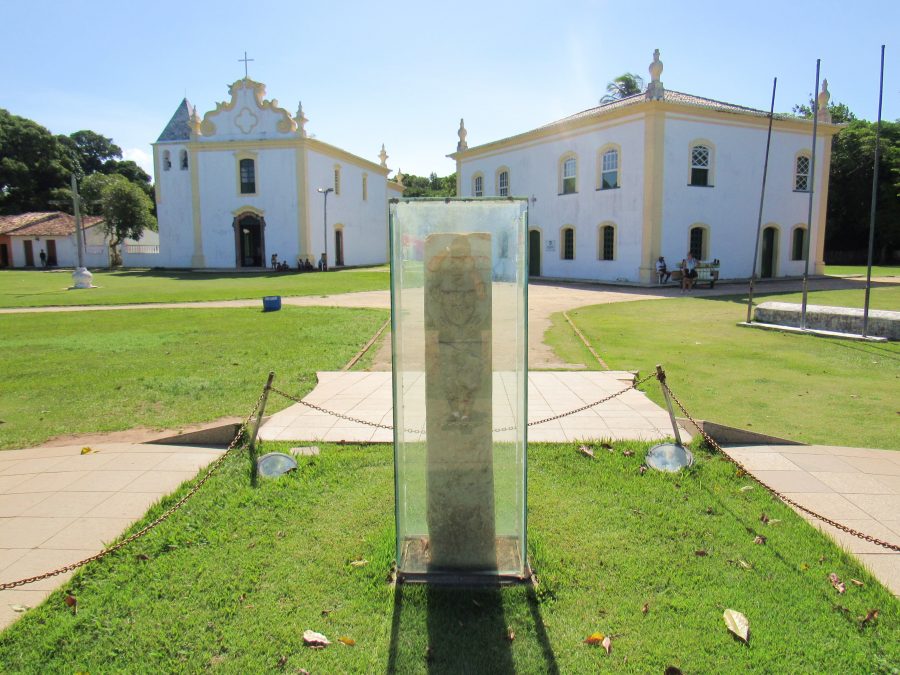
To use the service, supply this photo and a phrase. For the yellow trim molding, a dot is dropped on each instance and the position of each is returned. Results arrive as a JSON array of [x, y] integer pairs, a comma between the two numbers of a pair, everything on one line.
[[600, 153], [654, 159], [197, 259], [600, 228], [248, 209], [562, 242], [560, 171]]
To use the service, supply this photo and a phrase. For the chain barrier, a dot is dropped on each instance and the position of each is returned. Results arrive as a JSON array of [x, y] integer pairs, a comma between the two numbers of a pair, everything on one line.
[[787, 500], [162, 518], [389, 427]]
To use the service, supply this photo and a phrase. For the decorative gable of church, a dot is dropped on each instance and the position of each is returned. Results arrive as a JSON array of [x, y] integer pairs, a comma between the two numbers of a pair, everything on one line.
[[248, 116]]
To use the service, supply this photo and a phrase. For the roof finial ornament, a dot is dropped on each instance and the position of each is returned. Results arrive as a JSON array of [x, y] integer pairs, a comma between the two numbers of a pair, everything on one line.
[[655, 90], [301, 120], [462, 145], [823, 114], [399, 177], [383, 156], [194, 123]]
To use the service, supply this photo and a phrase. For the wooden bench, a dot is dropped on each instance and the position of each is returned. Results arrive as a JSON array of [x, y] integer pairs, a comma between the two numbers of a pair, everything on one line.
[[707, 272]]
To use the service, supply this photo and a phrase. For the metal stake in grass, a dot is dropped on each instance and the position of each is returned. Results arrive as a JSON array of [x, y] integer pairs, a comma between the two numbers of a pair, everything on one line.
[[671, 457], [254, 467]]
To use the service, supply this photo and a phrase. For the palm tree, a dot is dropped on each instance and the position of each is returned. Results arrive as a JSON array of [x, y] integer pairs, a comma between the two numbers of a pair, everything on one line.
[[627, 84]]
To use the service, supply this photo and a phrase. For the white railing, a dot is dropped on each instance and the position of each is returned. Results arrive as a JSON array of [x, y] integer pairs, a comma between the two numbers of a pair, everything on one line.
[[95, 249], [141, 248]]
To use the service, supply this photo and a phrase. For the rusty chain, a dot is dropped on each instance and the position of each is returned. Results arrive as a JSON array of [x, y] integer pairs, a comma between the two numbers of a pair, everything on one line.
[[787, 500], [390, 427], [165, 515]]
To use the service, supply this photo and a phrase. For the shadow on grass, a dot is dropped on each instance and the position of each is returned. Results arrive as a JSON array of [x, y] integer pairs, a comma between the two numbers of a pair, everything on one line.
[[762, 294], [466, 630]]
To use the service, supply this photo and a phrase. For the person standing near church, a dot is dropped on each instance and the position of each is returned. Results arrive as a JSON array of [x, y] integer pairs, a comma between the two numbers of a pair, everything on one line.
[[43, 257], [688, 272]]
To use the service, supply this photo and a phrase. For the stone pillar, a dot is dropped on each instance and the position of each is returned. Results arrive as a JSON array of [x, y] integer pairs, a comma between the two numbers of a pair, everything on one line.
[[460, 481]]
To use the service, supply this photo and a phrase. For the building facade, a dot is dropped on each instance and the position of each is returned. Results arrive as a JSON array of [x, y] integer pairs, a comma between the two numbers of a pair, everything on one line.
[[246, 182], [660, 173]]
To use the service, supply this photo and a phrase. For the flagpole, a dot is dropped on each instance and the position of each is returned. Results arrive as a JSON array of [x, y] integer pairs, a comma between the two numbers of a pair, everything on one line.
[[812, 184], [762, 196], [865, 325]]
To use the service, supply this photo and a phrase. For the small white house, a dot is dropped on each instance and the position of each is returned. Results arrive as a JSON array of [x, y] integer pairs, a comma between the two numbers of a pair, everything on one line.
[[246, 182], [660, 173], [25, 236]]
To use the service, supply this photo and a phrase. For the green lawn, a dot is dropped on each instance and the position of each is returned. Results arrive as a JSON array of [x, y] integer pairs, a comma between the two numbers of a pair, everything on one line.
[[42, 289], [850, 270], [809, 389], [107, 371], [233, 579]]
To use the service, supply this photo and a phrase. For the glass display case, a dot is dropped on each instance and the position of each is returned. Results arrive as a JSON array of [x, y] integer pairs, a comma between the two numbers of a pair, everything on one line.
[[459, 316]]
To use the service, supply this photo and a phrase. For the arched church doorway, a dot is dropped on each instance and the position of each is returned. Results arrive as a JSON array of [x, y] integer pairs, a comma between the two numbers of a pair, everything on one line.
[[768, 253], [339, 248], [534, 253], [249, 241]]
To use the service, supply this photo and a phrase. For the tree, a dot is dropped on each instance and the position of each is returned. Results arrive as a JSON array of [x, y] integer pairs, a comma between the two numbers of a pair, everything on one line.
[[433, 186], [34, 167], [126, 211], [840, 112], [626, 84], [95, 151]]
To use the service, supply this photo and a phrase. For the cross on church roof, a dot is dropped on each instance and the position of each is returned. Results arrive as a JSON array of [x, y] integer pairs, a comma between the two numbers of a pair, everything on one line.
[[245, 60]]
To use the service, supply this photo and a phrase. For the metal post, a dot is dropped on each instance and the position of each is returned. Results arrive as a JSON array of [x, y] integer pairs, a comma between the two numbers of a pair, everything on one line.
[[661, 376], [254, 470], [812, 184], [865, 325], [325, 191], [79, 235], [762, 196]]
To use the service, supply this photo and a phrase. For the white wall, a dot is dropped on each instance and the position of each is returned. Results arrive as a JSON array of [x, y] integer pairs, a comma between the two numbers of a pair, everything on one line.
[[173, 208]]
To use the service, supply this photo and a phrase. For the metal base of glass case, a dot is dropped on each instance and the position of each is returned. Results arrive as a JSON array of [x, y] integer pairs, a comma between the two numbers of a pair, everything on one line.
[[416, 556]]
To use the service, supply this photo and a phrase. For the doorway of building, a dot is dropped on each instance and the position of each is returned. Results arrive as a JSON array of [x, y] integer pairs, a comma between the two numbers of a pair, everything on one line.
[[29, 253], [4, 255], [51, 253], [250, 242], [767, 254], [534, 253], [338, 248]]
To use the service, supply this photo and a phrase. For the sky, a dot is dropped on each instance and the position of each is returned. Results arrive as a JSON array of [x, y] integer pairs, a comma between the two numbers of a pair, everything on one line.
[[403, 74]]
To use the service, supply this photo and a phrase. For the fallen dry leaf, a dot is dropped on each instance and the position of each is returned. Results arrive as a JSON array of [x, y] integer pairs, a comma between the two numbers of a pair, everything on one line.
[[359, 563], [764, 518], [628, 453], [607, 644], [303, 671], [745, 564], [774, 521], [672, 670], [645, 608], [740, 473], [429, 653], [510, 634], [586, 451], [857, 582], [746, 488], [606, 444], [759, 539], [700, 552], [86, 450], [344, 640], [804, 567], [594, 639], [737, 623], [282, 662], [871, 616], [643, 469], [72, 602], [280, 534], [19, 608], [837, 583], [315, 640]]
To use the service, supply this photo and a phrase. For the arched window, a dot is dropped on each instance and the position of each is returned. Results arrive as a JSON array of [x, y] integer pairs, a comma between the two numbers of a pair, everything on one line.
[[184, 160], [338, 245], [167, 160], [801, 174], [698, 243], [337, 179], [503, 182], [567, 250], [701, 165], [607, 242], [478, 185], [568, 174], [248, 176], [609, 169], [798, 243]]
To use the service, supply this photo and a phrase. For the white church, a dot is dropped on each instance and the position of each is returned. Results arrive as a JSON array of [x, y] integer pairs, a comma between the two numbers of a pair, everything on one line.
[[246, 182], [660, 173]]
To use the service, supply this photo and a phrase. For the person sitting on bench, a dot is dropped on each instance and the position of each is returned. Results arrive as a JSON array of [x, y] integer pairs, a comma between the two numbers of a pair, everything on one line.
[[662, 274], [688, 272]]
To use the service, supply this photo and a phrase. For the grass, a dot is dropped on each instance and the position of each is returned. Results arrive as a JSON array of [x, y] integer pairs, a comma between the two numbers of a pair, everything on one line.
[[850, 270], [233, 579], [809, 389], [107, 371], [43, 289]]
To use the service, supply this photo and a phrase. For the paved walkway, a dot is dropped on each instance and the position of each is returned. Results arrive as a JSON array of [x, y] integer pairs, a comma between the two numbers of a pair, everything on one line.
[[857, 487], [58, 506], [368, 396]]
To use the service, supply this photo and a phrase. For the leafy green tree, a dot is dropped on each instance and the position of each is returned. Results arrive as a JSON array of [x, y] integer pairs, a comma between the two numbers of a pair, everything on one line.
[[840, 112], [626, 84], [126, 211], [433, 186], [34, 167], [95, 151]]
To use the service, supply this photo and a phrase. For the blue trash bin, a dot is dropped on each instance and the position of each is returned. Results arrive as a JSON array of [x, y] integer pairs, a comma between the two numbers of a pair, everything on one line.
[[271, 303]]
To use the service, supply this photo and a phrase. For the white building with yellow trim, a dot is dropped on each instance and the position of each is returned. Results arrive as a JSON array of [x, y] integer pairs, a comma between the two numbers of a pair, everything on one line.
[[659, 173], [247, 182]]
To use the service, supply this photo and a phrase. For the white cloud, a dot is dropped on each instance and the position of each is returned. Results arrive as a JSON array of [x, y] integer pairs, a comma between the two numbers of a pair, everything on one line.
[[140, 157]]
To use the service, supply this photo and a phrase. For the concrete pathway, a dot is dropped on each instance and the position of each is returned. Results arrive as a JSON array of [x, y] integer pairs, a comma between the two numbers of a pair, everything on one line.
[[856, 487], [58, 506], [368, 396]]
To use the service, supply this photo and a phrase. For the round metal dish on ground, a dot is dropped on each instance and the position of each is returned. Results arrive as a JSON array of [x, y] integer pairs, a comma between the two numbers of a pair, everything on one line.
[[669, 457], [274, 464]]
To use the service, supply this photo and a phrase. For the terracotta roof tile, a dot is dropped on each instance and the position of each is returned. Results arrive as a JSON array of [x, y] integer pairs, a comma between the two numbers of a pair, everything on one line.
[[43, 224]]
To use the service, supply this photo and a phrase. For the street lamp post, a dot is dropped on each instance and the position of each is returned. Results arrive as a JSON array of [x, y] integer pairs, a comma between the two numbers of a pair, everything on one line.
[[325, 192]]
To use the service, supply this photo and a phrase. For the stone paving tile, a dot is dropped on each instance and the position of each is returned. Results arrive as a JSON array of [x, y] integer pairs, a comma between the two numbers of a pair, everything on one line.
[[854, 544], [63, 504], [821, 463], [893, 524], [874, 465], [45, 560], [792, 481], [886, 567], [881, 507], [21, 598], [162, 482], [85, 531], [892, 482], [21, 467], [771, 461], [16, 504], [103, 481], [89, 462], [131, 505], [25, 532], [9, 555], [829, 504], [852, 482]]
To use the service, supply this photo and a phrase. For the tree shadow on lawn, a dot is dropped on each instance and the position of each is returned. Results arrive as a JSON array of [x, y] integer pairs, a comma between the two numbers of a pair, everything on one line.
[[467, 630], [191, 275], [761, 294]]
